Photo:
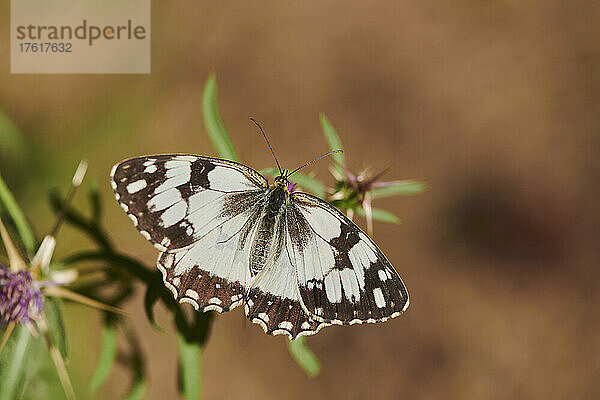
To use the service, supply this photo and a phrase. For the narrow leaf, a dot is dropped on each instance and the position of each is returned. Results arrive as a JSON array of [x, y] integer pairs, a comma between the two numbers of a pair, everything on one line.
[[56, 326], [25, 232], [213, 123], [380, 215], [106, 359], [15, 261], [12, 144], [304, 356], [95, 203], [150, 299], [137, 364], [79, 298], [57, 359], [334, 142], [15, 355], [138, 389], [189, 364], [6, 335], [402, 188]]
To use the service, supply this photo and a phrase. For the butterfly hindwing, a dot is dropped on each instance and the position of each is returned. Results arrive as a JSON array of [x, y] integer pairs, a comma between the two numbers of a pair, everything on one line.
[[273, 301], [343, 277], [213, 273], [174, 200]]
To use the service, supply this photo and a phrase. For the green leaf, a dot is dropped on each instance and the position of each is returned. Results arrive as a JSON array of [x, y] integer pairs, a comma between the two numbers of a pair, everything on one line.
[[402, 188], [334, 142], [95, 203], [14, 363], [309, 183], [150, 299], [79, 221], [213, 123], [136, 362], [189, 364], [12, 144], [53, 312], [379, 215], [138, 389], [10, 204], [106, 359], [304, 356]]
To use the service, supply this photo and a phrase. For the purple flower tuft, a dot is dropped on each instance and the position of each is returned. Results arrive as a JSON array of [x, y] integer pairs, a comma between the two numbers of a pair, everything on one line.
[[20, 297], [291, 186]]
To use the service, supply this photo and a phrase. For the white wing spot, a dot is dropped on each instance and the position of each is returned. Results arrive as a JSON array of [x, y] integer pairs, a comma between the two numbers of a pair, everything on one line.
[[333, 286], [382, 275], [150, 161], [145, 234], [186, 158], [164, 200], [133, 218], [192, 293], [136, 186], [379, 299], [217, 285], [166, 241], [150, 169], [215, 300], [286, 325], [236, 297], [176, 281], [174, 214], [124, 207], [264, 317], [351, 289], [305, 325]]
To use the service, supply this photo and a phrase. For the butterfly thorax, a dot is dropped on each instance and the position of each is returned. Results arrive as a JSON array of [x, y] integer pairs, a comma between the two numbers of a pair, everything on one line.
[[263, 245]]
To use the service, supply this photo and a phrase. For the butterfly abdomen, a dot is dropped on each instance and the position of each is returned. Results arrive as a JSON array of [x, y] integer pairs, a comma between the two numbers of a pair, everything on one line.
[[270, 219]]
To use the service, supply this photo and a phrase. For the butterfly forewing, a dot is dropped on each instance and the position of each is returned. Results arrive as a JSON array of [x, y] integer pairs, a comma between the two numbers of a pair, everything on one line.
[[343, 277], [174, 200]]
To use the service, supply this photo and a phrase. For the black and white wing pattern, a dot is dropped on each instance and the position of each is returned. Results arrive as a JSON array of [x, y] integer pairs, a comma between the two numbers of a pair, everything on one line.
[[343, 278], [200, 212], [273, 300], [226, 237]]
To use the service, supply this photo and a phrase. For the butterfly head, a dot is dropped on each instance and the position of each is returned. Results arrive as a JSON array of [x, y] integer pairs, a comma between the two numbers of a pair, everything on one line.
[[281, 179]]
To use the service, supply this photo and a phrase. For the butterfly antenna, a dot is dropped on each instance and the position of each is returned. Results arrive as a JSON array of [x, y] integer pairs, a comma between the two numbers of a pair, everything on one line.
[[313, 161], [270, 148]]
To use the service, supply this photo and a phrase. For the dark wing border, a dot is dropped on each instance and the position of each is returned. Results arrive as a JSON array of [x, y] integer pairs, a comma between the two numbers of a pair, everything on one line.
[[313, 201]]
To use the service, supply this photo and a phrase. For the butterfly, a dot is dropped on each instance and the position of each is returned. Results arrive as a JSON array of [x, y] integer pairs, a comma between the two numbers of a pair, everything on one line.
[[227, 237]]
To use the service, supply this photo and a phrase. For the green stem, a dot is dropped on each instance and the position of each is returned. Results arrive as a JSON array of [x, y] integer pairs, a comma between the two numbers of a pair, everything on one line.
[[189, 367]]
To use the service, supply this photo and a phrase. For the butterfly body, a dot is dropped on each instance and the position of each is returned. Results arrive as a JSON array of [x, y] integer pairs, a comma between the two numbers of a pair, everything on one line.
[[229, 238], [270, 223]]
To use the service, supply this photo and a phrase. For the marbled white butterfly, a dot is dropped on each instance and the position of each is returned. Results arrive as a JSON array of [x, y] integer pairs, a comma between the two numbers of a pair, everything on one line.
[[228, 238]]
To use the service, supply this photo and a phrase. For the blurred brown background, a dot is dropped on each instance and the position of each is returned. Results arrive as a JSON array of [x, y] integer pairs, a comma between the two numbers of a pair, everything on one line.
[[495, 104]]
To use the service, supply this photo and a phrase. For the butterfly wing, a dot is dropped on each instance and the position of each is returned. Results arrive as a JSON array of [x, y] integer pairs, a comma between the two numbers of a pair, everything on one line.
[[213, 273], [174, 200], [273, 300], [199, 211], [343, 278]]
